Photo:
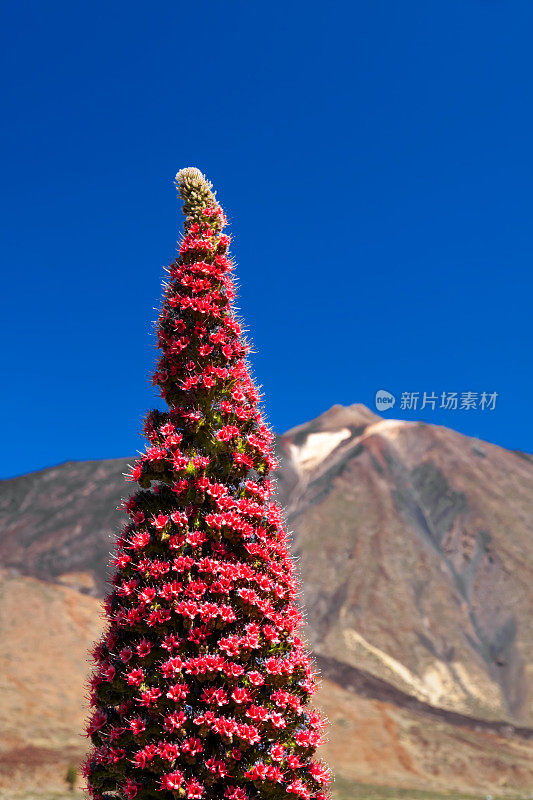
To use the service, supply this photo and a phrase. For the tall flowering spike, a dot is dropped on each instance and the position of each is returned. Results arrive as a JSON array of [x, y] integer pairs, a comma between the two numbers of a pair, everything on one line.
[[202, 685]]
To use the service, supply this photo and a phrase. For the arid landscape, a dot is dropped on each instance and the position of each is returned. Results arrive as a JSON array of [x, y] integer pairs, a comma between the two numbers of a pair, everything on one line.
[[415, 552]]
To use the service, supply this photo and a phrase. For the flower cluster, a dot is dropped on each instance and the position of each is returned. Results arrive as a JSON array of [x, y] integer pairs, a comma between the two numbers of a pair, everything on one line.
[[202, 685]]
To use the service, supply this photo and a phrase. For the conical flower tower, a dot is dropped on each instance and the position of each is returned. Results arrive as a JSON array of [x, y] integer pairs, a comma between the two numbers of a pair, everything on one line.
[[202, 684]]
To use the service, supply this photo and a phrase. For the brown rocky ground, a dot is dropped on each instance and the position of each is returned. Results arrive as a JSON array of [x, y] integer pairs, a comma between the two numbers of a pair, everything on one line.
[[47, 629], [415, 550]]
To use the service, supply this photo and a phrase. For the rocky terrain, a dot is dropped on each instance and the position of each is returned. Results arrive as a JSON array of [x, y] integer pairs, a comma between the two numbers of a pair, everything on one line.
[[415, 551]]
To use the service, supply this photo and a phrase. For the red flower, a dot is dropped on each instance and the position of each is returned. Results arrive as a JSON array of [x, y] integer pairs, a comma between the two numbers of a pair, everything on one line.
[[174, 721], [147, 595], [144, 756], [171, 590], [299, 788], [180, 486], [172, 780], [249, 733], [259, 713], [98, 720], [277, 720], [196, 538], [198, 634], [230, 645], [255, 678], [135, 677], [196, 589], [130, 789], [187, 608], [245, 460], [170, 642], [156, 453], [108, 673], [226, 433], [140, 540], [218, 696], [179, 462], [115, 733], [293, 762], [320, 772], [193, 746], [236, 793], [135, 473], [143, 648], [258, 772], [273, 666], [217, 490], [127, 588], [137, 725], [277, 752], [160, 521], [221, 769], [177, 692], [183, 563], [122, 561], [195, 790], [274, 774], [234, 670], [168, 751], [280, 697], [170, 667], [158, 568], [241, 695], [150, 696], [179, 518]]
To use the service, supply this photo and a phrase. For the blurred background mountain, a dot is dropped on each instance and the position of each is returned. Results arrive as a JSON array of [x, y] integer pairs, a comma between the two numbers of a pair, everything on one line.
[[415, 551]]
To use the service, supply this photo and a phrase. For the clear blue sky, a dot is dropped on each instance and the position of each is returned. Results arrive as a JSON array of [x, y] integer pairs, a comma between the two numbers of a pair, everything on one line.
[[375, 160]]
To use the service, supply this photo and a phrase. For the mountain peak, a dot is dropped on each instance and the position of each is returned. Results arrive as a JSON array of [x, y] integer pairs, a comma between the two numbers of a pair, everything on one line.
[[310, 444], [355, 417]]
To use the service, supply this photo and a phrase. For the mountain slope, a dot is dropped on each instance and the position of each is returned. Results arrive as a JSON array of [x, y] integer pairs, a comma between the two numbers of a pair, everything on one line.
[[61, 520], [416, 555], [416, 551]]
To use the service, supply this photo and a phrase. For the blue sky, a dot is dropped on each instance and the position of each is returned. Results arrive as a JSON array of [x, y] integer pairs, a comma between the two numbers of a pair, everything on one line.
[[374, 159]]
